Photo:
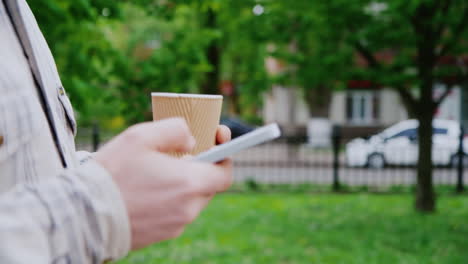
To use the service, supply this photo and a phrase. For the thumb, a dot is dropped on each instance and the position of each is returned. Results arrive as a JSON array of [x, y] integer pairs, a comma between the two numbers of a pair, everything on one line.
[[168, 135]]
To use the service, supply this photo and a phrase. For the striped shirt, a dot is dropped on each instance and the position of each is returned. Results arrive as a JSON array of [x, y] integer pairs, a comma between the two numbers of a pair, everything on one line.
[[53, 208]]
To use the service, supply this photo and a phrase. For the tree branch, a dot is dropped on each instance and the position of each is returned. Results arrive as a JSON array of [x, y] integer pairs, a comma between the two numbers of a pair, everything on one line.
[[445, 6], [456, 34], [422, 14], [441, 98], [368, 55], [461, 80], [408, 99]]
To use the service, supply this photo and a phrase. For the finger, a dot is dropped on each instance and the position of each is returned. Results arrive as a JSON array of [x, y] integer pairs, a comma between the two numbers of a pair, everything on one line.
[[223, 134], [226, 163], [198, 204], [213, 178], [168, 135]]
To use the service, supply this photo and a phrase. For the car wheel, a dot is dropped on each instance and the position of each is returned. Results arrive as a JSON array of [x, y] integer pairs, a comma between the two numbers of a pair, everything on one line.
[[454, 161], [376, 161]]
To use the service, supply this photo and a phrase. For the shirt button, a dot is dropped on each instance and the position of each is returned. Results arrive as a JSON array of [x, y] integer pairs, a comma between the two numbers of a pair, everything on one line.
[[1, 141]]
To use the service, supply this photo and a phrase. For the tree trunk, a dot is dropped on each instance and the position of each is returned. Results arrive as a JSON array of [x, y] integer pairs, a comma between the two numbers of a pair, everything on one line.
[[425, 196], [426, 59], [210, 85], [408, 106], [235, 104], [234, 107]]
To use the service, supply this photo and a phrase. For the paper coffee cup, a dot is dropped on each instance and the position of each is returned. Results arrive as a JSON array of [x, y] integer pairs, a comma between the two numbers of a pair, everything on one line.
[[202, 113]]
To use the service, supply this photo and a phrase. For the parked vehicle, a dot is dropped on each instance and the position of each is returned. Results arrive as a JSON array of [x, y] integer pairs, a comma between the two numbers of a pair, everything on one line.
[[398, 145], [237, 126]]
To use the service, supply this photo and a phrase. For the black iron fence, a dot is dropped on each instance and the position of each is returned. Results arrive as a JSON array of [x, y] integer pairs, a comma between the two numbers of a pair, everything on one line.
[[291, 161]]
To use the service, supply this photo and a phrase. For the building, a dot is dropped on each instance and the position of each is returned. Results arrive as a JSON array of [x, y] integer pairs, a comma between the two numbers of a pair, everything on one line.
[[361, 110]]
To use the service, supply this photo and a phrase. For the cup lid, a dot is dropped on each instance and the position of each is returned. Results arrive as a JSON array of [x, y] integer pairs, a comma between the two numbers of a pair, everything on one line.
[[185, 95]]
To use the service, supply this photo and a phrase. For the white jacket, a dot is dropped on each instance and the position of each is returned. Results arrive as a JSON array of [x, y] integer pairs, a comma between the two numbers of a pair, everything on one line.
[[53, 208]]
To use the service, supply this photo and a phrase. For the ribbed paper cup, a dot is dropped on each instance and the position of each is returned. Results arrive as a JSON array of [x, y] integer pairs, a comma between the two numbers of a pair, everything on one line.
[[202, 113]]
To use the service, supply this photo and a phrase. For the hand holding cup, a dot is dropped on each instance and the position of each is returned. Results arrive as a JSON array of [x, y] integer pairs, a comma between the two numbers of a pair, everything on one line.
[[162, 193]]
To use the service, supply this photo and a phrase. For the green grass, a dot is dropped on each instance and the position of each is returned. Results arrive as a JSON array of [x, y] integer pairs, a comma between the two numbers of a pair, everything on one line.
[[251, 185], [318, 228]]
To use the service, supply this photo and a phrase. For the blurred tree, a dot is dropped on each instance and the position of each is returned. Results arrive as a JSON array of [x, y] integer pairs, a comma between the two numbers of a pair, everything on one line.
[[409, 46], [159, 55], [74, 31], [427, 42], [213, 52], [112, 54], [317, 56], [244, 44]]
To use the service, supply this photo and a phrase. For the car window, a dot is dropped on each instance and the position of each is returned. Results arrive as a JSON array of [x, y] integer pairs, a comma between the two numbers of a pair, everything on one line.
[[439, 131], [413, 133], [409, 133]]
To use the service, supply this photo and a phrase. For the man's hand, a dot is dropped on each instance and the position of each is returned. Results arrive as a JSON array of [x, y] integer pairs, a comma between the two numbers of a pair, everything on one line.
[[162, 194]]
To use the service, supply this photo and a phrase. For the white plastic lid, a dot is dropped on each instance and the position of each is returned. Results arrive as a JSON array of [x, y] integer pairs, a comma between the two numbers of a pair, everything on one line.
[[207, 96]]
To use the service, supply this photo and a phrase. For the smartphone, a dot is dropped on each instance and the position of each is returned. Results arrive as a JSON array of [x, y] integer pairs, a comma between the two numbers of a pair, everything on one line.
[[258, 136]]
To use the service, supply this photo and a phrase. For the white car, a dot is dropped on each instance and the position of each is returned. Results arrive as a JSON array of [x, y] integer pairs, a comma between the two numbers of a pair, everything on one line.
[[397, 145]]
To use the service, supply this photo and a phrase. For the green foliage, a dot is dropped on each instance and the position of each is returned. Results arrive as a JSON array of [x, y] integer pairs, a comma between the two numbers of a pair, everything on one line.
[[74, 31], [158, 55], [252, 185], [112, 54], [326, 228]]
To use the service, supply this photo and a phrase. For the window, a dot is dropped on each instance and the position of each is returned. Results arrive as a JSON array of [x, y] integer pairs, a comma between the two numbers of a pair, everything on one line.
[[361, 107], [439, 131], [412, 133], [409, 133]]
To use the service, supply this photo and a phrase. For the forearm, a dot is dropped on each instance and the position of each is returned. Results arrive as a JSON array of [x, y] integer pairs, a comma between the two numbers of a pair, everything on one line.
[[77, 217]]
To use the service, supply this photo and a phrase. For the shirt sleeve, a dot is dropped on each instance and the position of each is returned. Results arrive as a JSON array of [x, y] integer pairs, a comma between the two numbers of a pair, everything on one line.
[[77, 217], [84, 156]]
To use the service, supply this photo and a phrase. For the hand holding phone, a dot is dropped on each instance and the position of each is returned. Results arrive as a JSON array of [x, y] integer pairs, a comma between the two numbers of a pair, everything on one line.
[[258, 136]]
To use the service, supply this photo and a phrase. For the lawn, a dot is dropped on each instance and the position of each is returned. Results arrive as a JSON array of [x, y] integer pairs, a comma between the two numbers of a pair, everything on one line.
[[318, 228]]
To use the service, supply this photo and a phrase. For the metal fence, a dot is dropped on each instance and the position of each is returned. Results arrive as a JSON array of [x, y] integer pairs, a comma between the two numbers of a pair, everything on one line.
[[291, 161]]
